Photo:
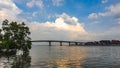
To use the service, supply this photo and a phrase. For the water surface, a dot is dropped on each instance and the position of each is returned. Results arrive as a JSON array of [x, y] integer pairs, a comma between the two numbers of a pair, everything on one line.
[[75, 56], [44, 56]]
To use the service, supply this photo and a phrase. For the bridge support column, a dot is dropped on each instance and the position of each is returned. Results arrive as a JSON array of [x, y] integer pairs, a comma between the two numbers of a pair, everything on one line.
[[76, 43], [60, 43], [49, 43], [69, 43]]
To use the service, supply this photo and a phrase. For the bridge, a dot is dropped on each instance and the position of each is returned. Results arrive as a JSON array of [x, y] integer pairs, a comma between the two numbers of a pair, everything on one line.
[[50, 41]]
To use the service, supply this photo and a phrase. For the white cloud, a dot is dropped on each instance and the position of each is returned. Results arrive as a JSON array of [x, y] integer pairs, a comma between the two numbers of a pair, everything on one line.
[[93, 16], [112, 10], [57, 2], [60, 29], [38, 3], [68, 19], [63, 29], [8, 10], [104, 1], [115, 9]]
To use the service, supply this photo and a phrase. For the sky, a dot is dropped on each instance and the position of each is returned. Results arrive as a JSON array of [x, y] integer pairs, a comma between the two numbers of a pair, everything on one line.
[[81, 20]]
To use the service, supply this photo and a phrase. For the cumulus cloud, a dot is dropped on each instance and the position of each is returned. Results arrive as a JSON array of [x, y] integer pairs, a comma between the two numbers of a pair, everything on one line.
[[57, 2], [63, 29], [8, 10], [59, 29], [38, 3], [113, 10], [68, 19]]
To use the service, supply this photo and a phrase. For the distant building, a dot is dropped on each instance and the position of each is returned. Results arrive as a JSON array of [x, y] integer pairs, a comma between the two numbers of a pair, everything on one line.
[[97, 43], [105, 42], [115, 42]]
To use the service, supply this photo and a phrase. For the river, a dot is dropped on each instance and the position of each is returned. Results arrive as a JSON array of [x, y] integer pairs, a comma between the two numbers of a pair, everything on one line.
[[44, 56], [75, 56]]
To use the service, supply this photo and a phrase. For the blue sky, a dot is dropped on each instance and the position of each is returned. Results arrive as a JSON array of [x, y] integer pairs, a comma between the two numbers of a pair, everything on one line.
[[93, 19]]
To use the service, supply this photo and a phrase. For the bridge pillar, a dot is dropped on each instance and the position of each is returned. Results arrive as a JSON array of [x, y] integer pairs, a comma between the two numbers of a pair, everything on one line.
[[60, 43], [69, 43], [49, 43], [76, 43]]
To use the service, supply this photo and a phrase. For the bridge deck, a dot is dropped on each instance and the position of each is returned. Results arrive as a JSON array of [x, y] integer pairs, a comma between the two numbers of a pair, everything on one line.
[[54, 41], [76, 43]]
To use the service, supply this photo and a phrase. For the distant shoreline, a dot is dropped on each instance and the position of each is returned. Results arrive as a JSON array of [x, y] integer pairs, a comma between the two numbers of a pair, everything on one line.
[[98, 45]]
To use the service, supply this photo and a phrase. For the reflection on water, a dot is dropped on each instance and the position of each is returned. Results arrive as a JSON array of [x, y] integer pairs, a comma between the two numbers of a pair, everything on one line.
[[14, 61], [64, 57], [75, 57], [57, 56]]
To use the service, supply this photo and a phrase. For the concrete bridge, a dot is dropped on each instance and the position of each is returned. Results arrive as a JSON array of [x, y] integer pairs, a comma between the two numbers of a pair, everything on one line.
[[50, 41]]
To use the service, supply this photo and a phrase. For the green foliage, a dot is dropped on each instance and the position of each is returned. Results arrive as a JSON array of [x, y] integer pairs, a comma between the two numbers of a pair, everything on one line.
[[15, 36]]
